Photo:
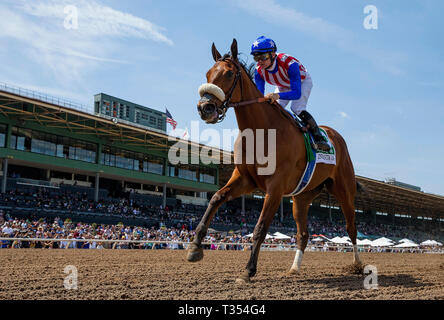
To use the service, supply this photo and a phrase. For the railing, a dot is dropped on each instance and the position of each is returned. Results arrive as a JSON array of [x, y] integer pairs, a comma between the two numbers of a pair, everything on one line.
[[45, 98], [36, 183], [223, 245]]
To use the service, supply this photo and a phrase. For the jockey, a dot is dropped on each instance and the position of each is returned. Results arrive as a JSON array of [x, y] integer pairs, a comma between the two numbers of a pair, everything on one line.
[[293, 83]]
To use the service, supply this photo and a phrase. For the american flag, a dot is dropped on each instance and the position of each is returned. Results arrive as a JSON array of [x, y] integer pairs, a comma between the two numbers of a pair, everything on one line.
[[170, 119]]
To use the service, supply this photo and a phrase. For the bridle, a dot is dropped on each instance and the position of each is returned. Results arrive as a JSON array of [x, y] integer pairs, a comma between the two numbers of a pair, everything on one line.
[[226, 104]]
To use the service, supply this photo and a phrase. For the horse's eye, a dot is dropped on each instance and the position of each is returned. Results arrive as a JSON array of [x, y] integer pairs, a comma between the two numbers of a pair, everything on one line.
[[229, 74]]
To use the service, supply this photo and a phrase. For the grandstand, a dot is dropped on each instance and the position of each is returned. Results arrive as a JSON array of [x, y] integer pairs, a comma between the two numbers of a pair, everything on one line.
[[51, 141], [68, 149]]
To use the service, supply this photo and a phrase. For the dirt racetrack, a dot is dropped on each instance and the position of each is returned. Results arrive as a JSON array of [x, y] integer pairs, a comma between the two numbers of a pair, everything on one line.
[[165, 274]]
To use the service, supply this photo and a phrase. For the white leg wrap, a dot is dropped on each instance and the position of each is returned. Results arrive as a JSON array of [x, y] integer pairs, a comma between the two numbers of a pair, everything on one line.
[[297, 260], [356, 258]]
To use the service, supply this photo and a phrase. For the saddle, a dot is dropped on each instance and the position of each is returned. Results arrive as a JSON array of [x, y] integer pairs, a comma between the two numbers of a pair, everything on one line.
[[303, 127]]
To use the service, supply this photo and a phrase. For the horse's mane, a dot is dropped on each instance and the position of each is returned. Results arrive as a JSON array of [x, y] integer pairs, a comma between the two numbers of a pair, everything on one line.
[[249, 71]]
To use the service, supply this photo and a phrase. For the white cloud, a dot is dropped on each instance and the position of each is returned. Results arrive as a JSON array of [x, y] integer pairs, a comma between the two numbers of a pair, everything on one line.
[[271, 11], [344, 115], [324, 31], [38, 29], [96, 20]]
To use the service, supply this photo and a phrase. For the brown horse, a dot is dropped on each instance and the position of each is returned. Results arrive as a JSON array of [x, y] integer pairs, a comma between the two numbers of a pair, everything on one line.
[[229, 85]]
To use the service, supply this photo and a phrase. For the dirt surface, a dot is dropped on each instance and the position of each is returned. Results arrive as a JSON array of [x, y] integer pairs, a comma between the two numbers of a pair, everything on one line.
[[165, 274]]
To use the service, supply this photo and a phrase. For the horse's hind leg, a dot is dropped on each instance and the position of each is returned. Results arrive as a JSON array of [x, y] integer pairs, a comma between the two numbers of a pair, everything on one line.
[[345, 194], [235, 187], [301, 203]]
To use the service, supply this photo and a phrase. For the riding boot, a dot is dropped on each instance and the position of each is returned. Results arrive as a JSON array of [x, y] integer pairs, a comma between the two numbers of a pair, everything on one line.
[[321, 143]]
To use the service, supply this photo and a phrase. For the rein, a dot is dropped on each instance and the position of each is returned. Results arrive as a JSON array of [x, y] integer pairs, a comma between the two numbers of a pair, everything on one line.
[[244, 103]]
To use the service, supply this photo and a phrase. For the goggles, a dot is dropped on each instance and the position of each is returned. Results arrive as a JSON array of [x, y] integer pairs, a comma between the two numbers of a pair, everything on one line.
[[262, 57]]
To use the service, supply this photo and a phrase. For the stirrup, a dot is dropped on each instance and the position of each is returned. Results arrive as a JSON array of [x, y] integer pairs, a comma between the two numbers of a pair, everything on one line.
[[302, 126], [322, 146]]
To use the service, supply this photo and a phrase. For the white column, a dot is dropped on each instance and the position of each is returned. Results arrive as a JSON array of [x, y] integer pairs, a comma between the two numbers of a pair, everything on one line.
[[96, 187], [5, 174]]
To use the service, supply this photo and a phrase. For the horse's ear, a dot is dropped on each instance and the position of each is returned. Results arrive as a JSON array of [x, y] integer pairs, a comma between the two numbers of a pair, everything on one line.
[[234, 51], [216, 54]]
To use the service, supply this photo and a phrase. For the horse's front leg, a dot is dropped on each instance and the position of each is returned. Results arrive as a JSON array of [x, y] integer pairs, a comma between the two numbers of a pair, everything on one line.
[[235, 187], [271, 204]]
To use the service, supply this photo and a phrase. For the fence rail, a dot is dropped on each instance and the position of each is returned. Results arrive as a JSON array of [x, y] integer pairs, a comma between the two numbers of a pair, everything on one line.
[[45, 97], [244, 246]]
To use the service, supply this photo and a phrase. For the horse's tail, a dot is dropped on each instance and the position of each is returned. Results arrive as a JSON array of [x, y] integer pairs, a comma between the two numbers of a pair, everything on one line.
[[361, 188]]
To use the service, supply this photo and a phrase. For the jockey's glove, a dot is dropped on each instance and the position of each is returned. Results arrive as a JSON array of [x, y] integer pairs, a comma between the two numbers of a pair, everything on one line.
[[273, 97]]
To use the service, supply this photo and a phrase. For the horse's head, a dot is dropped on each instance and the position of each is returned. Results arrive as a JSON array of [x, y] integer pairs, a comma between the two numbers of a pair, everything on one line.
[[222, 80]]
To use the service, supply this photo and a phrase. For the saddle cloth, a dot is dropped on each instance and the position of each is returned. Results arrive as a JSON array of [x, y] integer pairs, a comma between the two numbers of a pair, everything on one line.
[[313, 158]]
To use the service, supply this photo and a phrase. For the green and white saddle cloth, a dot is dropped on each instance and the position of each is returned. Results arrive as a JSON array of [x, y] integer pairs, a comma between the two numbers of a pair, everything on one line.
[[313, 158], [320, 156]]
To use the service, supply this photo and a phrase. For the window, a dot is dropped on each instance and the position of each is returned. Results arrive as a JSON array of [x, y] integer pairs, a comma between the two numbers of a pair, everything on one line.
[[152, 164], [207, 175], [52, 145], [21, 139], [131, 160], [106, 107], [3, 130]]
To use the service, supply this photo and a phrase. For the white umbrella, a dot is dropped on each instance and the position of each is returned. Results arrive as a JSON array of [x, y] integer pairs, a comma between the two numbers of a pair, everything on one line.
[[382, 242], [405, 240], [384, 239], [266, 237], [365, 242], [431, 243], [406, 245], [317, 239], [339, 240], [278, 235]]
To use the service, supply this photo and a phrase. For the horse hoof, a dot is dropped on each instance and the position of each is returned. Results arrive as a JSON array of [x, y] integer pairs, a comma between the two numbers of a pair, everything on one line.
[[194, 255], [355, 268], [293, 271], [243, 280]]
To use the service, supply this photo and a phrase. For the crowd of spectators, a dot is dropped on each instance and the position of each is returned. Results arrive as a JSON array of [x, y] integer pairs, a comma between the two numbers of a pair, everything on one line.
[[83, 235], [91, 236], [230, 217], [76, 202]]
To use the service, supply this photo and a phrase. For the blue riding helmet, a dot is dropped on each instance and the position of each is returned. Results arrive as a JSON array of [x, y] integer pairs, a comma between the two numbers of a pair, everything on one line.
[[263, 44]]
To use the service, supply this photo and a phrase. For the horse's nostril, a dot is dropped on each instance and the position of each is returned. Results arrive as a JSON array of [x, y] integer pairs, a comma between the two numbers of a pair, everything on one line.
[[209, 108]]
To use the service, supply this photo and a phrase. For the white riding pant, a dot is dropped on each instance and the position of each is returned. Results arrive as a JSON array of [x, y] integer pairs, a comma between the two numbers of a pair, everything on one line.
[[297, 106]]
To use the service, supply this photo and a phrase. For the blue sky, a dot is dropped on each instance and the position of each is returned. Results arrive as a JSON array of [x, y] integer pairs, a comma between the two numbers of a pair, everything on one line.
[[383, 89]]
